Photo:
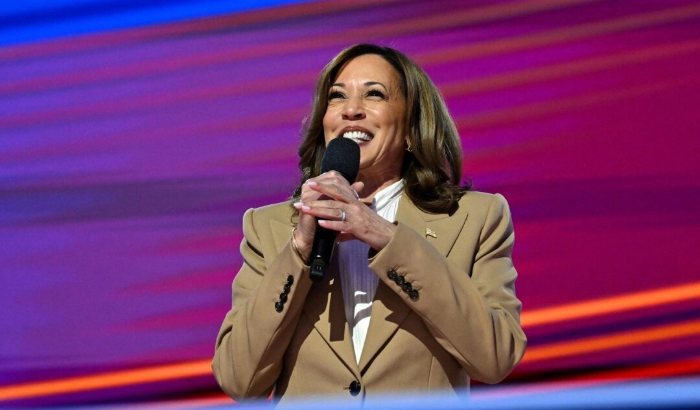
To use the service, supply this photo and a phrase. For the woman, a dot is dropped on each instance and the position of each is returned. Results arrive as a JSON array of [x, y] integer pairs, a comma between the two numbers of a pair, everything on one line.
[[420, 294]]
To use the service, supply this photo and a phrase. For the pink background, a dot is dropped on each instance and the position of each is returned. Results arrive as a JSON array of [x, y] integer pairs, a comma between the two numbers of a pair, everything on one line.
[[129, 154]]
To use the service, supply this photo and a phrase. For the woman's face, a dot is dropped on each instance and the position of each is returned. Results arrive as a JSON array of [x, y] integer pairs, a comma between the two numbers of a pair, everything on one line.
[[365, 104]]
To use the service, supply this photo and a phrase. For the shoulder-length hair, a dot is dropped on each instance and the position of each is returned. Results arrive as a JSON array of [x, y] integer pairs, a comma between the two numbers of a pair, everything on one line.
[[432, 169]]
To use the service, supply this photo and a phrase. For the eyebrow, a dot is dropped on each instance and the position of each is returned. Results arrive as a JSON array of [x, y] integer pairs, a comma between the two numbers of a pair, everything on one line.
[[369, 83]]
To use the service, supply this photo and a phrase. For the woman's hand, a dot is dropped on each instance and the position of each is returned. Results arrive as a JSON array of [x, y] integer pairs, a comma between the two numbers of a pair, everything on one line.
[[336, 204]]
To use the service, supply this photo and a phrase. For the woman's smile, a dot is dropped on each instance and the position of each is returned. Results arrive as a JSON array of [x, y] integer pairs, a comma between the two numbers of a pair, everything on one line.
[[366, 104], [359, 135]]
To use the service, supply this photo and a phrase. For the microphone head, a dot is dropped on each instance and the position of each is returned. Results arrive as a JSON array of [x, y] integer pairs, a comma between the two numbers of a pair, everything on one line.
[[342, 155]]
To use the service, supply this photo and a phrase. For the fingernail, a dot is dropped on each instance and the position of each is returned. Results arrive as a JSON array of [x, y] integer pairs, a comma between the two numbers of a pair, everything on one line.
[[312, 183], [305, 207], [297, 205]]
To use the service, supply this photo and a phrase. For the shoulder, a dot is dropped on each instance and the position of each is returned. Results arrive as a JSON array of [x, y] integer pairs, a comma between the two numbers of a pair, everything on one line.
[[281, 211], [259, 221], [488, 212], [260, 225], [483, 203], [473, 203]]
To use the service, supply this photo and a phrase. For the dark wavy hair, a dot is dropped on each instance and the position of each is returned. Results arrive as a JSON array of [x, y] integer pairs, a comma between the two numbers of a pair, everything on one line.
[[432, 171]]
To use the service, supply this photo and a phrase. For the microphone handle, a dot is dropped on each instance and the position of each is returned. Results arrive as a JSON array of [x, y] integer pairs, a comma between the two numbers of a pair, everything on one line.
[[321, 252]]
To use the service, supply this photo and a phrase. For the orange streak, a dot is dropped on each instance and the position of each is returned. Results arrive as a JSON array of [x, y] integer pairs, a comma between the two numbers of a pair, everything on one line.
[[635, 373], [655, 370], [614, 341], [532, 318], [107, 380], [614, 304]]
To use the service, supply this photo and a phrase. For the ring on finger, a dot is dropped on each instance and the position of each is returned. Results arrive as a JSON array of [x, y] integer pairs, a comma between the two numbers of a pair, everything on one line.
[[342, 217]]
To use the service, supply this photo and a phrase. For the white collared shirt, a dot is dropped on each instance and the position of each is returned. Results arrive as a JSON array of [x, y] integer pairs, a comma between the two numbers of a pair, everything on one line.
[[359, 283]]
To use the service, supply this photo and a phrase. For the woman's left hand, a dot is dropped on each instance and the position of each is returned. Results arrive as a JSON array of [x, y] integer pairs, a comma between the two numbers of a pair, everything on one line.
[[343, 211]]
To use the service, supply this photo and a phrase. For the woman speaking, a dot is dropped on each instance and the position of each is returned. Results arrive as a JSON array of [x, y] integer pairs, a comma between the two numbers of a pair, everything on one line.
[[420, 292]]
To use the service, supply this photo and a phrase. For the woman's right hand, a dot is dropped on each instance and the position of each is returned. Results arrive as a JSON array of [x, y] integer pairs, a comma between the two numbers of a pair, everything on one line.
[[306, 228]]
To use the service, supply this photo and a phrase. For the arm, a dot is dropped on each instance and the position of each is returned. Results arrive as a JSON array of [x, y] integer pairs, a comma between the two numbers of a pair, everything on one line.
[[254, 336], [468, 301]]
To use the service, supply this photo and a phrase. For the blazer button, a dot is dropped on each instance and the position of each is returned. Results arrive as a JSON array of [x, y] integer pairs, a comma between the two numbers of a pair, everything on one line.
[[400, 280], [283, 297], [407, 287], [279, 306], [355, 388], [287, 287], [413, 294], [392, 274], [290, 280]]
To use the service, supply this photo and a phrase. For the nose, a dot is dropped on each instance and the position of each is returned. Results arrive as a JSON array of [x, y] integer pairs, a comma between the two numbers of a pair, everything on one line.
[[353, 109]]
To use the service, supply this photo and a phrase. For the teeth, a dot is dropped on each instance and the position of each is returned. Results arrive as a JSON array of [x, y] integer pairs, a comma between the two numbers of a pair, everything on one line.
[[357, 136]]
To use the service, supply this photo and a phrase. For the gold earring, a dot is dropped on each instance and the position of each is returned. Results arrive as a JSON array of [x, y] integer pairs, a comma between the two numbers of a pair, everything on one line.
[[409, 148]]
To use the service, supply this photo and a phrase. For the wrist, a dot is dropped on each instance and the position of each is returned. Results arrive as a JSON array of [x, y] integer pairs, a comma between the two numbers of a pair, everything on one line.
[[385, 237], [295, 245]]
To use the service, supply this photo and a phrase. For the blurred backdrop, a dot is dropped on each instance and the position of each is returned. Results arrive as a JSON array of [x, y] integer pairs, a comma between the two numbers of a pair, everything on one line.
[[133, 136]]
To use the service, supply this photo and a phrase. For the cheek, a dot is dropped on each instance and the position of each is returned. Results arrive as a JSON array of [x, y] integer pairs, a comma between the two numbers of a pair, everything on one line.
[[327, 128], [398, 131]]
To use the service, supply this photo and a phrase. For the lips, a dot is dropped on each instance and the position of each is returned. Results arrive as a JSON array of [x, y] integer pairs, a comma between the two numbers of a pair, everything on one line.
[[358, 135]]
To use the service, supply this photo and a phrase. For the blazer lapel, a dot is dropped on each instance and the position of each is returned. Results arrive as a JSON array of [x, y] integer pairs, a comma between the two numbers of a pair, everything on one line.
[[324, 305], [440, 230], [388, 312], [325, 308], [388, 309]]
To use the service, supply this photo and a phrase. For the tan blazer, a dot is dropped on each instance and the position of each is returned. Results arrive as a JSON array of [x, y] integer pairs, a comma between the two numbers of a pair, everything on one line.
[[458, 318]]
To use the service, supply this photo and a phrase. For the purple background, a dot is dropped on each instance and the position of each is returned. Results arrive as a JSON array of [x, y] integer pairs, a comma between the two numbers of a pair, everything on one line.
[[129, 153]]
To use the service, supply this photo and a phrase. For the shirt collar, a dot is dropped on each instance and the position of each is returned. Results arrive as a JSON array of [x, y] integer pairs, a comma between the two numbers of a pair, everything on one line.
[[387, 195]]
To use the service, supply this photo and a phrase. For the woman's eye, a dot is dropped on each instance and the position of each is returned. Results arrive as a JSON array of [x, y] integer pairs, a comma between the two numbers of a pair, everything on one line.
[[334, 95], [375, 93]]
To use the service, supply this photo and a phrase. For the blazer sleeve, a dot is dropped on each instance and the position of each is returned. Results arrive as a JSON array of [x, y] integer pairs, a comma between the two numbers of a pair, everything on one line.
[[469, 306], [254, 335]]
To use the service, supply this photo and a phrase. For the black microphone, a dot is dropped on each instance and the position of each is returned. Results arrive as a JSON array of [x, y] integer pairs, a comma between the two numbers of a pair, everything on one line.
[[342, 155]]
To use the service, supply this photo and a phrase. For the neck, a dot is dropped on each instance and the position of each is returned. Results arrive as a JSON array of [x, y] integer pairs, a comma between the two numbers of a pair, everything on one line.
[[374, 185]]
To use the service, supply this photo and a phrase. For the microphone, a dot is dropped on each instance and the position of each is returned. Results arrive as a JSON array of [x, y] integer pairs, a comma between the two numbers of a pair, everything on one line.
[[343, 156]]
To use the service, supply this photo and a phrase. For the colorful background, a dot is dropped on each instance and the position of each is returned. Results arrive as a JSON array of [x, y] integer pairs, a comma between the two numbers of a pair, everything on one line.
[[133, 136]]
